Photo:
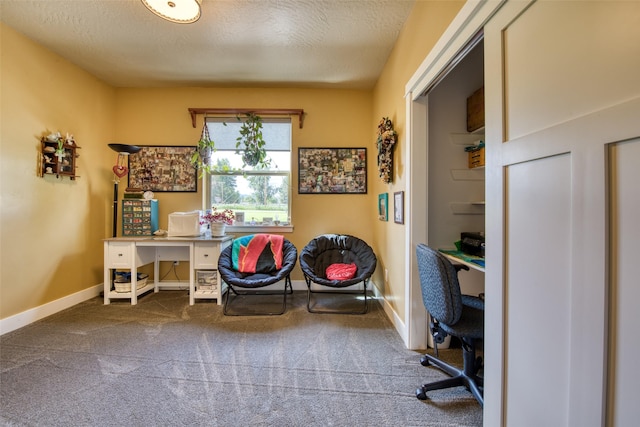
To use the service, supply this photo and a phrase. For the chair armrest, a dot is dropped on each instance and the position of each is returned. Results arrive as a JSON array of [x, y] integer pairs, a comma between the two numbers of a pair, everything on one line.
[[459, 267]]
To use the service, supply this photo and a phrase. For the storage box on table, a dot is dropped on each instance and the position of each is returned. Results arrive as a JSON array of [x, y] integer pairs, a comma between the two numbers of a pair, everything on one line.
[[139, 217]]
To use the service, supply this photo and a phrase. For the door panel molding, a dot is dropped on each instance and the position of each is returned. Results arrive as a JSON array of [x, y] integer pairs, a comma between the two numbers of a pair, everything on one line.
[[583, 134], [624, 293], [534, 300]]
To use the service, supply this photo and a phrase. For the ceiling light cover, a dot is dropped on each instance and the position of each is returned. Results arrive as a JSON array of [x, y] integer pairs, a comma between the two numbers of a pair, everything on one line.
[[178, 11]]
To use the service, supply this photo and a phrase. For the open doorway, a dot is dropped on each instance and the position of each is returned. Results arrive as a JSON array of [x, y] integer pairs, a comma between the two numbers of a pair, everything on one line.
[[447, 198]]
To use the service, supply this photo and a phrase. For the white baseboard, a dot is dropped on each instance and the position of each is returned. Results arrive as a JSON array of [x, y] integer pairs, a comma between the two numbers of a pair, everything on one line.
[[19, 320], [397, 322]]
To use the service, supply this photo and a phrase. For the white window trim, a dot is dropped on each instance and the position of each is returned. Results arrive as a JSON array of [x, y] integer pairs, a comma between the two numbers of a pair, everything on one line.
[[260, 228], [252, 228]]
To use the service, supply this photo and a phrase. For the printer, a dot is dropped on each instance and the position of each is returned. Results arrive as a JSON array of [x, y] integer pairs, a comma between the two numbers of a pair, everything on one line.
[[472, 243], [184, 224]]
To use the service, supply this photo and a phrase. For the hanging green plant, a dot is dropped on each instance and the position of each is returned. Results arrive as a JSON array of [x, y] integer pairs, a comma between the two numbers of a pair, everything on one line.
[[205, 147], [250, 144]]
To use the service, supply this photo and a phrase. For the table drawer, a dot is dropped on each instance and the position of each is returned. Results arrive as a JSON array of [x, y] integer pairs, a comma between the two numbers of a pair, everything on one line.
[[119, 255], [206, 255]]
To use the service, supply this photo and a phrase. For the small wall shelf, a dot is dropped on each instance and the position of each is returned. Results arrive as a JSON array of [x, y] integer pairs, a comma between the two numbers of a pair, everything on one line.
[[467, 208], [58, 160], [475, 174], [466, 139]]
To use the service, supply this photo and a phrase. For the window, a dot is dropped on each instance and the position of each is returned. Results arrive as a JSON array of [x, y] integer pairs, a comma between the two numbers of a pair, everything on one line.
[[262, 195]]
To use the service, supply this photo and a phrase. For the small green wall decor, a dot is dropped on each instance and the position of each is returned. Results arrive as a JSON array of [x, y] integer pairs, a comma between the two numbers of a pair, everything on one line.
[[383, 207]]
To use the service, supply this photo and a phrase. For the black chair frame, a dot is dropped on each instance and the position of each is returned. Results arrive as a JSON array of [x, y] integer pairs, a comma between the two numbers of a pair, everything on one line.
[[288, 290], [249, 283], [328, 249], [363, 293]]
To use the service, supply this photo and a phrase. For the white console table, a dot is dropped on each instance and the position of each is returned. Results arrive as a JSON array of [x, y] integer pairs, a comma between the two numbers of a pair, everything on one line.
[[129, 253]]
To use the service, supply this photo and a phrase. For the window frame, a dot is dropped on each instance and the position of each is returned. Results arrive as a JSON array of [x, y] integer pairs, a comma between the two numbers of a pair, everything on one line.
[[247, 172]]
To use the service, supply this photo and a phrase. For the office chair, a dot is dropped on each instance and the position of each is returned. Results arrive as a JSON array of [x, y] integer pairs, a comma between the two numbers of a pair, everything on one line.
[[454, 314], [251, 281], [337, 249]]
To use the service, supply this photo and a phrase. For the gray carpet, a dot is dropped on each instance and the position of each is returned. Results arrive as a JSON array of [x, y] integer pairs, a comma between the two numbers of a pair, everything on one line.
[[165, 363]]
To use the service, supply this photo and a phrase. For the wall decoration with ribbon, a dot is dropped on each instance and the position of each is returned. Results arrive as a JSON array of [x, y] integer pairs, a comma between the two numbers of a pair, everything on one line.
[[386, 142]]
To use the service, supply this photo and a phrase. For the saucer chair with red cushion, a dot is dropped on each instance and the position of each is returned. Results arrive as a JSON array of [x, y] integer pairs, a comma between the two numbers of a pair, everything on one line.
[[337, 261]]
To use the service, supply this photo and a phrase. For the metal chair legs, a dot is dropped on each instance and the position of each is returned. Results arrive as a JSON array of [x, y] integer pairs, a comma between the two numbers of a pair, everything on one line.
[[288, 289], [363, 293]]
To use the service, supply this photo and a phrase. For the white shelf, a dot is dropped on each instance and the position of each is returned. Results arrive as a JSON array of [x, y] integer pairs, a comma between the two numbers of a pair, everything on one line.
[[466, 139], [127, 295], [467, 208], [213, 294], [475, 174]]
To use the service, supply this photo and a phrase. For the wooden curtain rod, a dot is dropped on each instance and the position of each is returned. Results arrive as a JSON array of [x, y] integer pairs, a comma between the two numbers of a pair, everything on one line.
[[236, 111]]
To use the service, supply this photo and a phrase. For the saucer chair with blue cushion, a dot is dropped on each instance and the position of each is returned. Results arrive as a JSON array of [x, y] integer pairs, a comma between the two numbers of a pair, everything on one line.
[[253, 262]]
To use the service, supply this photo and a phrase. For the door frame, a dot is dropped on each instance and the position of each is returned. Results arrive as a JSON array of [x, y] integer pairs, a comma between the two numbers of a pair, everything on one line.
[[464, 27]]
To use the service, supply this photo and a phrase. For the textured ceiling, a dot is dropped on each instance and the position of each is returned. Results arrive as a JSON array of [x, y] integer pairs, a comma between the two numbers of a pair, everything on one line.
[[300, 43]]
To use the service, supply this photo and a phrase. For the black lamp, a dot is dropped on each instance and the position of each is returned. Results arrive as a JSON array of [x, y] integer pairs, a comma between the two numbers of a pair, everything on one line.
[[120, 170]]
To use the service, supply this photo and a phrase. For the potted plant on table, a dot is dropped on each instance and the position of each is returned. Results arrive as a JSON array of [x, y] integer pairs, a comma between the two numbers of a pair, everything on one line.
[[250, 144], [217, 220]]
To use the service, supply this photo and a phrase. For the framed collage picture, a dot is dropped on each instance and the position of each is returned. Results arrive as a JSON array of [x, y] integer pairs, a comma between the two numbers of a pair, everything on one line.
[[332, 170], [163, 168]]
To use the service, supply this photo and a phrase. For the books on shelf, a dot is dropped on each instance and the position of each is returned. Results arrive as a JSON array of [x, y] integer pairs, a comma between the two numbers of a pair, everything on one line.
[[133, 193]]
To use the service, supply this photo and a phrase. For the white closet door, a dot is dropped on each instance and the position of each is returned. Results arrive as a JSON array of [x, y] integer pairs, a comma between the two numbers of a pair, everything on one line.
[[562, 93], [624, 375]]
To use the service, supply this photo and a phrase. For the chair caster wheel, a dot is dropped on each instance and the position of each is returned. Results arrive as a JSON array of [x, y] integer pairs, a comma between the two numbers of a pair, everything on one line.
[[420, 394], [424, 361]]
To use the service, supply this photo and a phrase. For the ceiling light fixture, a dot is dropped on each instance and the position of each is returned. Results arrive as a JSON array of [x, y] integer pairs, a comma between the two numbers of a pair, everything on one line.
[[178, 11]]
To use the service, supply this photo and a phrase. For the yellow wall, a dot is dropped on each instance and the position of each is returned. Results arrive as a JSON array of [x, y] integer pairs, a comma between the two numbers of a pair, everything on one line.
[[333, 118], [50, 229], [427, 22]]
